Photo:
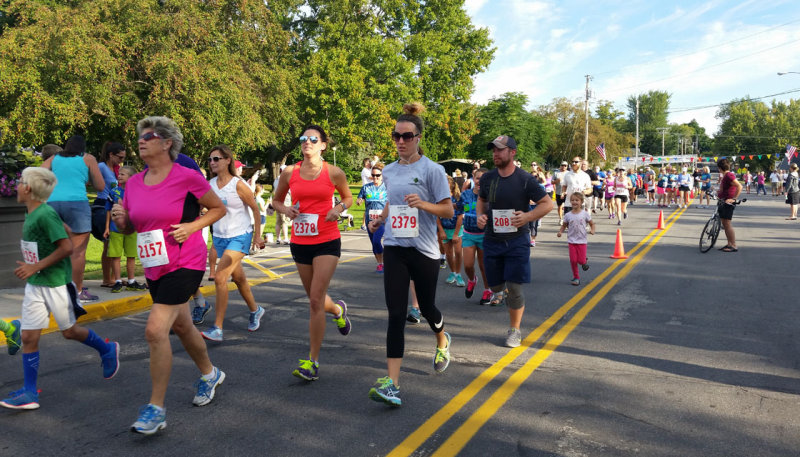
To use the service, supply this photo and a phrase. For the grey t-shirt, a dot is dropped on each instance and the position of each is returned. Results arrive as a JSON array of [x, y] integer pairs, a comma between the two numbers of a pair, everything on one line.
[[426, 179]]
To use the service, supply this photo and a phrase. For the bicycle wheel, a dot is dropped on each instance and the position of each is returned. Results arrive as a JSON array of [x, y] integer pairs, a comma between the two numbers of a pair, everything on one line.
[[709, 235]]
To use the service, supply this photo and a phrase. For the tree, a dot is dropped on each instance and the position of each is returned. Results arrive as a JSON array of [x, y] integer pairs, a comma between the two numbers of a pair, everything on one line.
[[653, 107]]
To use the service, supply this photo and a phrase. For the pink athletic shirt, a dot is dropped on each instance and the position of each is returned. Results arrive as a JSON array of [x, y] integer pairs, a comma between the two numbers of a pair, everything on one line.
[[173, 201]]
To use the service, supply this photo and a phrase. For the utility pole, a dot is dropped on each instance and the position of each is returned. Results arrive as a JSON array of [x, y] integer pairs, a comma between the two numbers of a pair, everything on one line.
[[586, 115], [662, 130], [637, 129]]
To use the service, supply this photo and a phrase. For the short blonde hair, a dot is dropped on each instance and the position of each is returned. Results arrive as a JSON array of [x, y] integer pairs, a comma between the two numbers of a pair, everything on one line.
[[41, 181]]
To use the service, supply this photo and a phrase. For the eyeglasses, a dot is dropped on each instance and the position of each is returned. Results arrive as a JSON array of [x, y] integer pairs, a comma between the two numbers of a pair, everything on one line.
[[149, 136], [120, 156], [311, 138], [215, 159], [407, 136], [377, 176], [576, 161]]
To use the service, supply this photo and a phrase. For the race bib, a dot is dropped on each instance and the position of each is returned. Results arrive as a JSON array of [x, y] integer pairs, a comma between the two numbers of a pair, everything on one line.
[[374, 214], [306, 225], [152, 248], [404, 221], [30, 251], [501, 221]]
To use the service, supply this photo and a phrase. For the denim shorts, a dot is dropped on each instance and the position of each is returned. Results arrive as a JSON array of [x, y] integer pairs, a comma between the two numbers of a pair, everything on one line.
[[239, 243], [77, 215]]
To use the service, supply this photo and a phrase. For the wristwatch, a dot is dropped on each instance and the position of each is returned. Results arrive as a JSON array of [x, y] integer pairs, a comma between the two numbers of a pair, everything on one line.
[[344, 207]]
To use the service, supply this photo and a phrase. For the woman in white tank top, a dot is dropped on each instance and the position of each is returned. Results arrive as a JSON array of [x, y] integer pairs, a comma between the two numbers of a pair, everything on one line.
[[622, 184]]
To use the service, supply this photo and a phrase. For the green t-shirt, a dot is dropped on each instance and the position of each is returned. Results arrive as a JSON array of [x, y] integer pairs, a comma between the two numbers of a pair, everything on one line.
[[42, 229]]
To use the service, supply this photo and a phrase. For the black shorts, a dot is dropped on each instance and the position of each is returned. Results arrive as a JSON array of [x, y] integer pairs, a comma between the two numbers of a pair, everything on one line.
[[623, 198], [597, 193], [305, 253], [559, 200], [725, 210], [684, 188], [176, 287]]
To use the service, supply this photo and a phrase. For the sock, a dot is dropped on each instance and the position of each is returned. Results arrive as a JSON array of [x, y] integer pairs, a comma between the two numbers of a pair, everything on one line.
[[131, 280], [210, 376], [30, 367], [118, 281], [94, 341], [199, 297], [6, 327], [341, 310]]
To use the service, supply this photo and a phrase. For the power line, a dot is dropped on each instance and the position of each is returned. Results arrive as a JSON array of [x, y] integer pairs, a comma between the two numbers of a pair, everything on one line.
[[682, 110]]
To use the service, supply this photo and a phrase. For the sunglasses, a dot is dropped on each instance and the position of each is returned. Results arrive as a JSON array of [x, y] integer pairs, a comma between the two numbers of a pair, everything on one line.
[[215, 159], [576, 161], [408, 136], [149, 136], [311, 138], [377, 176]]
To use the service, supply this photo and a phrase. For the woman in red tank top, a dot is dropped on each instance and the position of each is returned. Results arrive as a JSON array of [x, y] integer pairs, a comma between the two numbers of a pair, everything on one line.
[[316, 243]]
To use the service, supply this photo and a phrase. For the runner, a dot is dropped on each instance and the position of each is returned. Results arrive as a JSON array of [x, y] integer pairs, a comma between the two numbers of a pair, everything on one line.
[[505, 195], [575, 224], [685, 184], [609, 188], [661, 188], [316, 243], [418, 194], [575, 180], [162, 204], [374, 194], [597, 189], [472, 242], [282, 222], [622, 187], [650, 186], [232, 237], [558, 183], [450, 230], [705, 186]]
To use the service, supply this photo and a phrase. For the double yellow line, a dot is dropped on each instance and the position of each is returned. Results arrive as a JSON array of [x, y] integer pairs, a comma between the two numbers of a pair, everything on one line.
[[456, 442]]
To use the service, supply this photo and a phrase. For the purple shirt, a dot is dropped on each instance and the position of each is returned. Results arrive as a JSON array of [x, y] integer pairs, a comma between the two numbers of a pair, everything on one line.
[[726, 188]]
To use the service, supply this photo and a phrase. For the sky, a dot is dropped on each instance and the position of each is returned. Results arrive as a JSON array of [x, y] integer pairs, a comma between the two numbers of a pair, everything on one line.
[[702, 53]]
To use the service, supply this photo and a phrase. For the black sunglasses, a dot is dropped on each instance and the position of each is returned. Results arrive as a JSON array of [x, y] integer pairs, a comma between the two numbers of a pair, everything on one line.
[[149, 136], [408, 136], [215, 159], [377, 176], [311, 138], [576, 161]]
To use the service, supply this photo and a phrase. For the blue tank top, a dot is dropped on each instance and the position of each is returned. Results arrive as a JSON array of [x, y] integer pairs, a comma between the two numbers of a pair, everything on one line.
[[72, 174]]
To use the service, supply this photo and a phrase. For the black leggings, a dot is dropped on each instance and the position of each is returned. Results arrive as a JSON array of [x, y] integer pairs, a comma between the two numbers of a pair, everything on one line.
[[400, 266]]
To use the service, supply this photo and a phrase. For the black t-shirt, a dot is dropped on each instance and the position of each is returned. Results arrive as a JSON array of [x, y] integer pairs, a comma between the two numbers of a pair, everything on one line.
[[515, 191]]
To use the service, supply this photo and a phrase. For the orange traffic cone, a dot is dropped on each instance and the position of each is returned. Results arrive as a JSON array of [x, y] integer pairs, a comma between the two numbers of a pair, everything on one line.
[[691, 195], [660, 221], [619, 249]]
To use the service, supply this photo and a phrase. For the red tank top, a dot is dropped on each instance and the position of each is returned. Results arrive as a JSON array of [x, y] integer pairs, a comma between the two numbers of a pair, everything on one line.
[[315, 197]]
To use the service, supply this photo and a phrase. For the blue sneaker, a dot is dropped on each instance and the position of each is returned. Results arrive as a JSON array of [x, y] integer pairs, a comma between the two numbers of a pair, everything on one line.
[[213, 334], [414, 316], [451, 278], [385, 391], [206, 389], [111, 361], [199, 313], [343, 322], [255, 319], [21, 399], [14, 338], [459, 280], [151, 419], [441, 360]]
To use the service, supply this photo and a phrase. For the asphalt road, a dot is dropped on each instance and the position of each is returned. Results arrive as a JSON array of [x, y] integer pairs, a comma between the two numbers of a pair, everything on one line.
[[668, 353]]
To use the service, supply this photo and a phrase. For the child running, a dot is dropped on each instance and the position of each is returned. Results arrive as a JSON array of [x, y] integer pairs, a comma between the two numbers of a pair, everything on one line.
[[118, 243], [575, 224], [47, 270], [450, 231], [472, 241]]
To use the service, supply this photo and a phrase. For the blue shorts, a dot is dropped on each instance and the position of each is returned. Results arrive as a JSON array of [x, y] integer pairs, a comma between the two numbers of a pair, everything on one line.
[[508, 260], [472, 239], [448, 234], [239, 243], [77, 215]]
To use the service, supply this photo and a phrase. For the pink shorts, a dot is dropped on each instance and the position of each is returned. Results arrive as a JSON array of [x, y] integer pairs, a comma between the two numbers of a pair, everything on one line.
[[660, 190]]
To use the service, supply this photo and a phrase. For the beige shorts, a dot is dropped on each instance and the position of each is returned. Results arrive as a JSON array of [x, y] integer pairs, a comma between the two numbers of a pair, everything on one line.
[[42, 301]]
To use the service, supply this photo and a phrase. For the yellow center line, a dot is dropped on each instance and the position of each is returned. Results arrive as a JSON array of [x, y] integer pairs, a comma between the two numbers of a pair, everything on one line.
[[429, 427]]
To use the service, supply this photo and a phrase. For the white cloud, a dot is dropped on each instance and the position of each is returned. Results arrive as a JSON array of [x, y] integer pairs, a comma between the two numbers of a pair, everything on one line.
[[473, 7], [558, 33]]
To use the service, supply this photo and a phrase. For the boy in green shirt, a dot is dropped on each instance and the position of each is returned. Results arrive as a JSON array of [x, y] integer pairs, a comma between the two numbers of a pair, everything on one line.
[[47, 270]]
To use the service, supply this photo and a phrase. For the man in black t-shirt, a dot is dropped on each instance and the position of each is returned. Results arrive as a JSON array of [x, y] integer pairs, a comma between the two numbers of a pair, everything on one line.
[[504, 211]]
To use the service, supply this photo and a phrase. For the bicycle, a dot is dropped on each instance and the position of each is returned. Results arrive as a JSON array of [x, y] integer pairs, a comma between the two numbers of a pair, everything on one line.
[[711, 230]]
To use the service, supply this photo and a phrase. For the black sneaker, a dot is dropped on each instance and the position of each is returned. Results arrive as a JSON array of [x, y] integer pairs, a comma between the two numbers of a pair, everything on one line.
[[135, 285], [442, 263], [117, 288]]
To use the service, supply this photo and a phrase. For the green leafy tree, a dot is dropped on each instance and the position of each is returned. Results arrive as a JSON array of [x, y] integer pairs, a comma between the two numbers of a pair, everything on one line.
[[653, 109]]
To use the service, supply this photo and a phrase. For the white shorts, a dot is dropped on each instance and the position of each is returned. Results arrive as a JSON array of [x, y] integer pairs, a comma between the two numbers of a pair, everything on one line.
[[40, 302]]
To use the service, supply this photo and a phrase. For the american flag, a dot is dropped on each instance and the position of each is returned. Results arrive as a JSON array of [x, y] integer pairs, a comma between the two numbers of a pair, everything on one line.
[[601, 150], [790, 151]]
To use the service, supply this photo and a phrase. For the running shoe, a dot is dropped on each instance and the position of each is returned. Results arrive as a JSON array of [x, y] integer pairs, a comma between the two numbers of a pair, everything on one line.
[[459, 280], [499, 299], [585, 266], [21, 399], [117, 287], [14, 338], [379, 268], [451, 278], [470, 287], [486, 297], [110, 360], [414, 316], [199, 312], [343, 322], [213, 334], [619, 222], [136, 286], [307, 370], [513, 338], [533, 243], [441, 360], [86, 296], [611, 216], [255, 319], [385, 391], [207, 388], [624, 215], [575, 282], [442, 263], [151, 419]]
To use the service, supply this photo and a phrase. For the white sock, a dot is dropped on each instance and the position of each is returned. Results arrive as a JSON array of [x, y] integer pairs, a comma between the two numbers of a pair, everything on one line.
[[210, 376]]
